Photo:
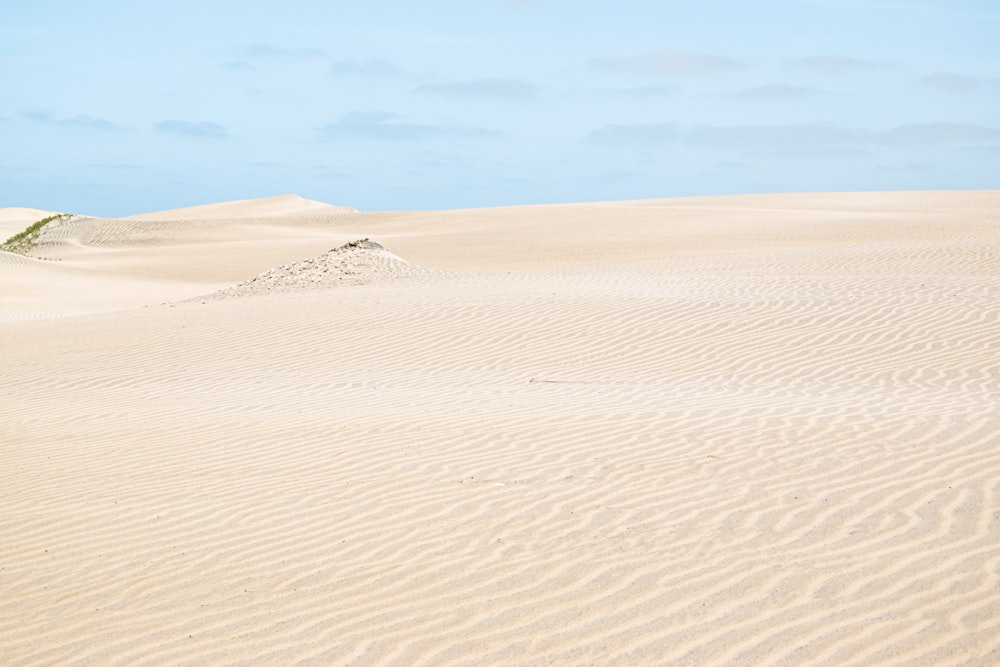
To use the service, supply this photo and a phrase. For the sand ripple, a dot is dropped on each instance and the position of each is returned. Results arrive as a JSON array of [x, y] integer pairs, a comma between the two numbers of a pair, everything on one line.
[[778, 455]]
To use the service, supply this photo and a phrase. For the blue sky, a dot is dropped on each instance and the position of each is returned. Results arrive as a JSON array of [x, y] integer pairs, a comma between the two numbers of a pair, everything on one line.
[[119, 107]]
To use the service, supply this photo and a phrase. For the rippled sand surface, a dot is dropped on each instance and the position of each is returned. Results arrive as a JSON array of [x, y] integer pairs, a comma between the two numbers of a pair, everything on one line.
[[709, 431]]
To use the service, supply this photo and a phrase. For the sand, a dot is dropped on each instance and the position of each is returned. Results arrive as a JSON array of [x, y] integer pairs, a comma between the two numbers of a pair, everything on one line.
[[739, 430], [13, 220]]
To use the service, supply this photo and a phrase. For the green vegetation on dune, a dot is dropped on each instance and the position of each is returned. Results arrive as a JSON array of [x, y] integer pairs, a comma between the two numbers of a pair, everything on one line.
[[22, 242]]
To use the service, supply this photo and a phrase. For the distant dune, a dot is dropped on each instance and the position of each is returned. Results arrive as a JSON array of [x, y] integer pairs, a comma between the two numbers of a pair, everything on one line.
[[745, 430], [267, 207]]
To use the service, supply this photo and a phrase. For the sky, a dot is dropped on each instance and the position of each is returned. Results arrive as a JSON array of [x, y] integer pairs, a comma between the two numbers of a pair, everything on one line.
[[118, 107]]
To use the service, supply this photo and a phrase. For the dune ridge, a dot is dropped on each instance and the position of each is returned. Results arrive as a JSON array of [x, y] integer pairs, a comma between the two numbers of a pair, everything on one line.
[[718, 431], [360, 262], [279, 206], [15, 219]]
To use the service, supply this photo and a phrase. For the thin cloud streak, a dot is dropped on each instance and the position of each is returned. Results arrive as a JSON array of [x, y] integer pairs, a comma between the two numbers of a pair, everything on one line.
[[119, 166], [950, 83], [388, 126], [819, 139], [926, 134], [793, 140], [85, 122], [778, 140], [271, 51], [629, 92], [669, 62], [634, 134], [497, 89], [906, 7], [369, 68], [775, 91], [198, 130], [238, 66], [839, 64]]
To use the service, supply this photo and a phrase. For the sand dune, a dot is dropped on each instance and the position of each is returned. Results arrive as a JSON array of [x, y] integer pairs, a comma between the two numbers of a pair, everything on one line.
[[15, 219], [267, 207], [706, 431], [360, 262]]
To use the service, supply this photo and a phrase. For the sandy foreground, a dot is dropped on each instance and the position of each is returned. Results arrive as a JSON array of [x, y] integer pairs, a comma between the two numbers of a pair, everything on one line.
[[748, 430]]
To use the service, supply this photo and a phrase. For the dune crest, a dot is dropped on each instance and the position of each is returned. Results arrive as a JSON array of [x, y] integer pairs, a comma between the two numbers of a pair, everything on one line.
[[361, 262], [14, 219], [265, 207]]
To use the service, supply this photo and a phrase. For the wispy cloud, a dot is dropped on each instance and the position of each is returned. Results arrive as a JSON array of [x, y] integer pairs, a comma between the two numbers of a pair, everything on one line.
[[950, 83], [827, 140], [655, 90], [839, 64], [866, 4], [669, 62], [930, 7], [368, 68], [326, 171], [119, 166], [238, 66], [199, 130], [503, 89], [85, 122], [271, 51], [641, 134], [924, 134], [646, 91], [389, 126], [775, 91], [779, 140]]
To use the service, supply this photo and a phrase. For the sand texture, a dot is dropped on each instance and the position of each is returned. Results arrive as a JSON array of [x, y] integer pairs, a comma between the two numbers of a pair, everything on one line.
[[747, 430], [14, 220]]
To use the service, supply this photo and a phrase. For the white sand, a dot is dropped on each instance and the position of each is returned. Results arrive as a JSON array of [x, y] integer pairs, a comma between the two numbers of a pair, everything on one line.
[[14, 219], [270, 207], [708, 431]]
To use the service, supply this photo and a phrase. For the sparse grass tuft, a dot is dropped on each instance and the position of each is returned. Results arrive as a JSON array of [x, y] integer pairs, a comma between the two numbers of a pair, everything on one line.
[[22, 242]]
